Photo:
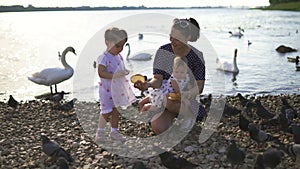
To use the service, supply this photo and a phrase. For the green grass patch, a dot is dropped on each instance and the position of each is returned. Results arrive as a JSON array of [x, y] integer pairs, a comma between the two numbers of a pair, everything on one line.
[[290, 6]]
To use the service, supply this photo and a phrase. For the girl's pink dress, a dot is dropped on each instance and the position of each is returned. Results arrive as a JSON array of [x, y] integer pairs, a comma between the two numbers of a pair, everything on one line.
[[116, 92]]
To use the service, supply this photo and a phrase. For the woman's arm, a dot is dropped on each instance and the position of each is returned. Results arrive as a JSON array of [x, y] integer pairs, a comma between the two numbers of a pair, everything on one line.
[[155, 82]]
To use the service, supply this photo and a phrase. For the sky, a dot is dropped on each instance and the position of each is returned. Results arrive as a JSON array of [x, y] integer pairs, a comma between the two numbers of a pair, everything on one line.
[[147, 3]]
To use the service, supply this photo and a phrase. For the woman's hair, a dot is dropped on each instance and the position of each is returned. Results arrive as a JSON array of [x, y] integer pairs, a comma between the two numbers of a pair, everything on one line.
[[180, 61], [187, 27], [115, 35]]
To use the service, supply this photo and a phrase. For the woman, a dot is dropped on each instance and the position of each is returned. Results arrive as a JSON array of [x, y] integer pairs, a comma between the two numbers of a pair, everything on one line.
[[182, 32]]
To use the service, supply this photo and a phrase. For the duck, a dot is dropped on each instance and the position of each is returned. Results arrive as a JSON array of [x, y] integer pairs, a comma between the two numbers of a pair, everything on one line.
[[54, 76], [291, 59], [228, 67], [237, 34], [138, 56]]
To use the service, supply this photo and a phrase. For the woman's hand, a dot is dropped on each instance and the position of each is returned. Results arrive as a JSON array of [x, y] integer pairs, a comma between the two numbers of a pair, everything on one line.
[[141, 86]]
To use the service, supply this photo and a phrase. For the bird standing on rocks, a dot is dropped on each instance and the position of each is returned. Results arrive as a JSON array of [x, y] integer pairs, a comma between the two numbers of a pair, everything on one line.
[[243, 123], [54, 150], [270, 158], [296, 133], [57, 97], [260, 136], [262, 112], [12, 102], [172, 161], [235, 155]]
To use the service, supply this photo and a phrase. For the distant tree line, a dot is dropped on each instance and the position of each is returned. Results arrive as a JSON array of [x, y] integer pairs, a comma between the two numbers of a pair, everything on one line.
[[273, 2]]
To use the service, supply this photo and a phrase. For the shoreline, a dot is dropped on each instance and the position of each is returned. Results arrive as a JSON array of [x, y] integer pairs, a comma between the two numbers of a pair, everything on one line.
[[21, 146]]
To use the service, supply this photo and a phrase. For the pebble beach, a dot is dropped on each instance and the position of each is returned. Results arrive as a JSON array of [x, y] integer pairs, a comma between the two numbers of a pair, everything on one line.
[[21, 128]]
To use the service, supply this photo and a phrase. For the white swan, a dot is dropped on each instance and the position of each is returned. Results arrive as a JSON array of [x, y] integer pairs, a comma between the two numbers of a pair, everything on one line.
[[237, 34], [138, 56], [53, 76], [228, 67]]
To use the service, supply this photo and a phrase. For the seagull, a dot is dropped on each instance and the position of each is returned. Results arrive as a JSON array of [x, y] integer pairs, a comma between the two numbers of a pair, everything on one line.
[[12, 102], [138, 56], [53, 76], [54, 150], [235, 155]]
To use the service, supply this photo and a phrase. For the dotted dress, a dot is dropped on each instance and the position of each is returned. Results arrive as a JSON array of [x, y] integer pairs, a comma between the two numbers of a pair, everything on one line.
[[163, 65], [114, 92], [157, 95]]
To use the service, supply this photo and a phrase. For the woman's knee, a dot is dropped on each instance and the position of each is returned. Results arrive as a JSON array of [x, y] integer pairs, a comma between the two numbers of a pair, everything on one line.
[[161, 122]]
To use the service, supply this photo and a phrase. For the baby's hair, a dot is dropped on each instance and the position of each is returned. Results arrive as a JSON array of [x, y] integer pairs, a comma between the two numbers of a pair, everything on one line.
[[192, 28], [115, 35], [180, 61]]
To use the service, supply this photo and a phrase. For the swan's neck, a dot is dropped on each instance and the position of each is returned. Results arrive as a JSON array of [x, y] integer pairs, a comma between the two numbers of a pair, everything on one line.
[[127, 57], [63, 60], [234, 64]]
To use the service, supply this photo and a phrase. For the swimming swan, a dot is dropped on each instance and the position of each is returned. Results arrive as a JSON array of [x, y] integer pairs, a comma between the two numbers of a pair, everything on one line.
[[53, 76], [237, 34], [228, 67], [139, 56]]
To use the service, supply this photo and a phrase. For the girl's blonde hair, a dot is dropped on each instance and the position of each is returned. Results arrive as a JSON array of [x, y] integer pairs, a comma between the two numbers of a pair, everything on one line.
[[115, 35], [180, 61]]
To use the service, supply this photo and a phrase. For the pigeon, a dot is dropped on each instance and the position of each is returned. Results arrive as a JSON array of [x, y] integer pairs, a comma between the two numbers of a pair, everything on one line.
[[296, 133], [243, 123], [139, 165], [12, 102], [171, 161], [62, 163], [67, 106], [244, 101], [260, 136], [292, 150], [270, 158], [288, 110], [54, 150], [57, 97], [275, 121], [230, 110], [235, 155], [262, 112]]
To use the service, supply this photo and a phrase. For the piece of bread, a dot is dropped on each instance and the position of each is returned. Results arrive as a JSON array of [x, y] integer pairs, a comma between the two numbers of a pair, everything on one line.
[[174, 96], [136, 77]]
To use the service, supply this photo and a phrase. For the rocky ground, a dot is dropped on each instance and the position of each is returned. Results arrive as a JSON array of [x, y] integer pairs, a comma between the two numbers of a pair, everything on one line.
[[21, 128]]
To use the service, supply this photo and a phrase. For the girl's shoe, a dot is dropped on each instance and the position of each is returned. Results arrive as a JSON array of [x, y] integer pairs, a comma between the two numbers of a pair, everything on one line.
[[100, 136], [116, 135]]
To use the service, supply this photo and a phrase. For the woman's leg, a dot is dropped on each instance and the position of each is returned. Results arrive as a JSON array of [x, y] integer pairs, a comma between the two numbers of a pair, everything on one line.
[[162, 121]]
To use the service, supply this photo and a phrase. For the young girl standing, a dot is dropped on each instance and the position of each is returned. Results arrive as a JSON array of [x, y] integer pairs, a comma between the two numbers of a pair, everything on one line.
[[114, 89]]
